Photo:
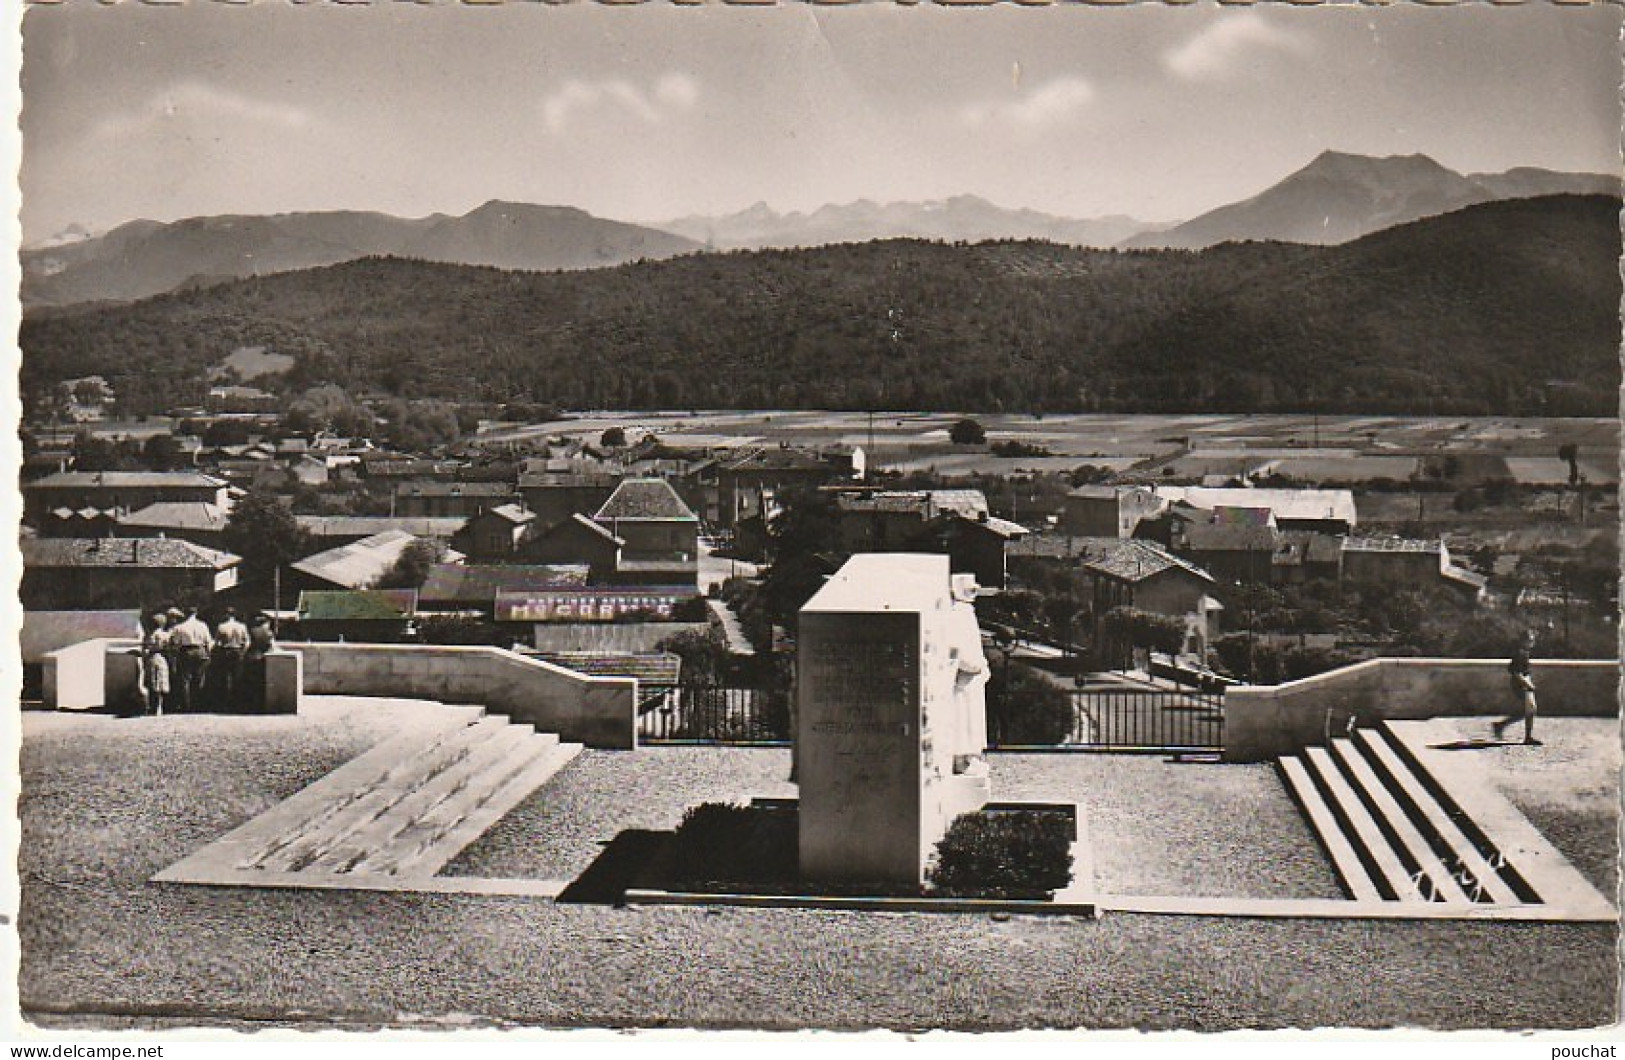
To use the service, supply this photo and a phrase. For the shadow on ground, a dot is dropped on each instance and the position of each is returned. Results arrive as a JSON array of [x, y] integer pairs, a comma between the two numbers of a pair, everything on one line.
[[629, 860]]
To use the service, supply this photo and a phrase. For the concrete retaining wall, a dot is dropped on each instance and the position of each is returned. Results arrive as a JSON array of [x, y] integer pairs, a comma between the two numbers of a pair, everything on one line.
[[596, 711], [1261, 722], [77, 677], [106, 672]]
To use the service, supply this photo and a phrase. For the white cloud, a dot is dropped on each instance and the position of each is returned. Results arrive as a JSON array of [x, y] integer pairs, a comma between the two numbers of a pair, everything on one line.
[[678, 91], [1051, 103], [1229, 42], [194, 100], [671, 94]]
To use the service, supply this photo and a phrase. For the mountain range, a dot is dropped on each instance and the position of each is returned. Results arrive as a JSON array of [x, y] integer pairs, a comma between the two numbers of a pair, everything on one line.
[[1335, 198], [1339, 197], [145, 258], [963, 218], [1507, 307]]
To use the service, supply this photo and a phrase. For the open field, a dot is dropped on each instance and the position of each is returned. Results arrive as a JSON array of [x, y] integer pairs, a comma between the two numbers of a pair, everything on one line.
[[1336, 448], [107, 802]]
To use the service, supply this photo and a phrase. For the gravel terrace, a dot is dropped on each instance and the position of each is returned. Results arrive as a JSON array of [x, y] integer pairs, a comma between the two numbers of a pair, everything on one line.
[[108, 802], [1155, 827]]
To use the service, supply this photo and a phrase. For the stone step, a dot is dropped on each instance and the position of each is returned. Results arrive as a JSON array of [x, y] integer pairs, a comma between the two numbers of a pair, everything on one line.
[[1534, 869], [1433, 879], [349, 849], [244, 845], [1389, 874], [1451, 845], [1350, 870], [436, 837], [358, 807]]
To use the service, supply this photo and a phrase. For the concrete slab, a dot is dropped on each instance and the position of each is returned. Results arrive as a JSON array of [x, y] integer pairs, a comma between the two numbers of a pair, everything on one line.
[[349, 881], [1322, 909]]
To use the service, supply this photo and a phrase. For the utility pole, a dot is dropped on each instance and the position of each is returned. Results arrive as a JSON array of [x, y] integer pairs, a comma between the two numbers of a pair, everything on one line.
[[869, 457]]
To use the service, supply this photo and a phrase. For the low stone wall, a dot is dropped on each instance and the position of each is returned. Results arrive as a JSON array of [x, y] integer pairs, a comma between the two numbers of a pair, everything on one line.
[[1261, 722], [77, 677], [596, 711]]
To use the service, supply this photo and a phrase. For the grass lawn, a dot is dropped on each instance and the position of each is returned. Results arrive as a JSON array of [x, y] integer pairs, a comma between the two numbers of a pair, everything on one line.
[[106, 803]]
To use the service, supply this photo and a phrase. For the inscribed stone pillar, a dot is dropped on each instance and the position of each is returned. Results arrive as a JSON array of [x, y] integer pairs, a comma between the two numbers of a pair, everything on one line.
[[891, 728]]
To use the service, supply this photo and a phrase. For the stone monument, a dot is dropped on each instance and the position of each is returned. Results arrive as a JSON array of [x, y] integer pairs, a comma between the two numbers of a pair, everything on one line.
[[891, 727]]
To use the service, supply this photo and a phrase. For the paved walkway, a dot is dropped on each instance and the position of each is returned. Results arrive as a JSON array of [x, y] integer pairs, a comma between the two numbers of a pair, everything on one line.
[[732, 631]]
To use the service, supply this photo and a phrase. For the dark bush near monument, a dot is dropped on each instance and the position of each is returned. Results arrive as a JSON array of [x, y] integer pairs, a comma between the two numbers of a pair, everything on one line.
[[1004, 854], [721, 846], [1024, 708]]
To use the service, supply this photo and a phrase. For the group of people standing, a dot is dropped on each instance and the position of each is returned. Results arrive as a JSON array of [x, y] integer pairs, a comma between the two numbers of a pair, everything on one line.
[[186, 666]]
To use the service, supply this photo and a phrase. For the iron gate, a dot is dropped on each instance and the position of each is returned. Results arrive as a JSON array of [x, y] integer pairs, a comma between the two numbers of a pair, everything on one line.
[[1138, 719], [714, 714]]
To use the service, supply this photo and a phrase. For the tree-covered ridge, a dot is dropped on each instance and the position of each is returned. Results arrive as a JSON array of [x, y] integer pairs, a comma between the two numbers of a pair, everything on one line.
[[1509, 307]]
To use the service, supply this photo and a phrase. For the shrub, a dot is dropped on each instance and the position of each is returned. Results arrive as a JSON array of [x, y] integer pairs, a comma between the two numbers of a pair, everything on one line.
[[1242, 656], [691, 610], [1298, 663], [462, 629], [1005, 854], [723, 845], [1012, 449], [1024, 708]]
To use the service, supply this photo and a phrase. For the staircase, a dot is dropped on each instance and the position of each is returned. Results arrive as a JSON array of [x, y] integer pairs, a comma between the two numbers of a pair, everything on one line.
[[399, 812], [1394, 834]]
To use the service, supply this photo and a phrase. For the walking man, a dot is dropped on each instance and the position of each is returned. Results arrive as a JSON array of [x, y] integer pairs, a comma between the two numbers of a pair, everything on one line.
[[226, 665], [1521, 671], [192, 642]]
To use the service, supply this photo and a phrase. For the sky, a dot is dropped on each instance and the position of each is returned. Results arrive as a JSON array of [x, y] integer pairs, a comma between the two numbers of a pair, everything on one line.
[[649, 113]]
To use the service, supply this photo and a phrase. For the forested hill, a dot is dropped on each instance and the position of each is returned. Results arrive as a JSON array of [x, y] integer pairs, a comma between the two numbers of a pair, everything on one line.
[[1508, 307]]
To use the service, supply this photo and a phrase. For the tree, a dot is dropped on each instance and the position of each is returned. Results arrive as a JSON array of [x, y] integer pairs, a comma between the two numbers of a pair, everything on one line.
[[613, 437], [411, 568], [1570, 453], [162, 453], [88, 392], [805, 543], [100, 454], [226, 432], [263, 530], [967, 432], [419, 426], [330, 408], [1145, 629]]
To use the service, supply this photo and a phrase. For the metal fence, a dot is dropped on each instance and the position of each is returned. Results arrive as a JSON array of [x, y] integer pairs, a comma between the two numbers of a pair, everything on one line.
[[1112, 719], [714, 714], [1132, 719]]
